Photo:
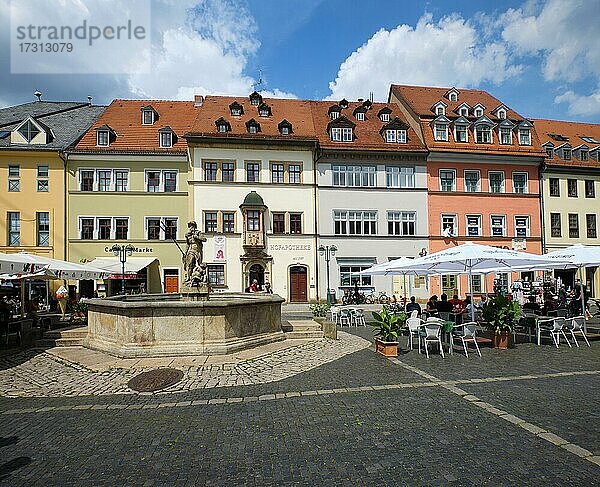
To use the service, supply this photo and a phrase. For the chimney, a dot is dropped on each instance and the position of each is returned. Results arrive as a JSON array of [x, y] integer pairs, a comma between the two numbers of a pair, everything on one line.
[[198, 100], [38, 94], [360, 100], [89, 100]]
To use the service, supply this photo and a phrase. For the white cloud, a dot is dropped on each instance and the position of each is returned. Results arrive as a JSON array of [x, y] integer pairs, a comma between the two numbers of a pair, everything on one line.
[[564, 35], [449, 52], [581, 105]]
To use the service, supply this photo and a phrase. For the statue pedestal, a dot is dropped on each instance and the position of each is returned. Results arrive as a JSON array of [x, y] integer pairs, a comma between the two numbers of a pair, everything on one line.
[[194, 293]]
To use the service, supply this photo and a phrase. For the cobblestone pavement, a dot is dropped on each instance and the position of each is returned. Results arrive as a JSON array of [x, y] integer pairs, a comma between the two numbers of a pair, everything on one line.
[[358, 420], [37, 373]]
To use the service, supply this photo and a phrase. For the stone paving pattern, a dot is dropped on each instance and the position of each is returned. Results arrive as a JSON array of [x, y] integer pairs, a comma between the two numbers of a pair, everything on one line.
[[358, 420]]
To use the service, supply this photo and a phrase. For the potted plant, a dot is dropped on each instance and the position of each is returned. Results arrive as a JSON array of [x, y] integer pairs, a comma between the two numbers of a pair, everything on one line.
[[387, 328], [319, 311], [500, 313]]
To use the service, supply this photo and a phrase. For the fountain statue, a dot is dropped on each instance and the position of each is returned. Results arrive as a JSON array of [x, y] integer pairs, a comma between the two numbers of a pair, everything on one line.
[[195, 284]]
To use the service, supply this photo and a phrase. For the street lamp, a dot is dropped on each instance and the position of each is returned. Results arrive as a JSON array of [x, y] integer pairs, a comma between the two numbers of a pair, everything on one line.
[[122, 251], [328, 251]]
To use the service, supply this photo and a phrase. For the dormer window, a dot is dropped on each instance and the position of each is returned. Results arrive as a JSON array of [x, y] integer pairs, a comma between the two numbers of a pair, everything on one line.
[[464, 112], [550, 152], [342, 134], [483, 134], [165, 137], [359, 113], [236, 109], [583, 155], [441, 131], [439, 108], [384, 114], [461, 133], [453, 96], [148, 115], [28, 130], [252, 126], [360, 116], [255, 99], [285, 127], [264, 110], [223, 126], [478, 112], [439, 111], [505, 135], [501, 114], [334, 115], [567, 154], [524, 136], [395, 136], [102, 137]]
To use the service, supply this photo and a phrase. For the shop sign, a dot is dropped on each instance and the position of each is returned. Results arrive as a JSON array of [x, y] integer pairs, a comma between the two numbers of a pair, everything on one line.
[[139, 250], [120, 276], [289, 247], [519, 244], [220, 241]]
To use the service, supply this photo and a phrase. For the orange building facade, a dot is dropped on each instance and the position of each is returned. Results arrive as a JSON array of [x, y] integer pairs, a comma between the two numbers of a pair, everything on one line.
[[483, 177]]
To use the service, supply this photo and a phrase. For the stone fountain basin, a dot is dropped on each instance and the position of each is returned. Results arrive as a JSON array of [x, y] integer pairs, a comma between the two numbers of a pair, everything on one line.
[[158, 325]]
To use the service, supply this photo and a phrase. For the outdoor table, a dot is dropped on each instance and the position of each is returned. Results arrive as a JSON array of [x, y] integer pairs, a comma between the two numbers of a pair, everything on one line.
[[49, 319]]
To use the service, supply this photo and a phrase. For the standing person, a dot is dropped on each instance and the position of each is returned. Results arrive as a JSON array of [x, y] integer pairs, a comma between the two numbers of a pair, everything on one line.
[[517, 292], [444, 305], [253, 287], [268, 289]]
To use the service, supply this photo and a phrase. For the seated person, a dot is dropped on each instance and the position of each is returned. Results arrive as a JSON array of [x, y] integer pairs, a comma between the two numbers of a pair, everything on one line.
[[412, 306], [532, 306], [431, 307], [32, 309], [457, 304], [444, 305], [550, 303], [468, 306], [482, 302]]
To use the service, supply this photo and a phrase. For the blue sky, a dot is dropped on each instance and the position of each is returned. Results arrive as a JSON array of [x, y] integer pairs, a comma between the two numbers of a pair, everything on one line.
[[541, 58]]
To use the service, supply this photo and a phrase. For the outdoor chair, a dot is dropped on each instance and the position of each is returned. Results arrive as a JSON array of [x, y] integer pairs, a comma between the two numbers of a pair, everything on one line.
[[576, 325], [466, 333], [414, 314], [444, 315], [562, 312], [345, 317], [359, 317], [555, 328], [414, 330], [334, 311], [433, 335]]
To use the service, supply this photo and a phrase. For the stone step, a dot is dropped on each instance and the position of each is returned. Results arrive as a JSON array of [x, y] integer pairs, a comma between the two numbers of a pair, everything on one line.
[[66, 337], [60, 342], [80, 332], [303, 335]]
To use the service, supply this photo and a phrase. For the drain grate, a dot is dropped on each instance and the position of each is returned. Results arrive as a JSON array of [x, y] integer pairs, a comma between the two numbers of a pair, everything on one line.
[[155, 380]]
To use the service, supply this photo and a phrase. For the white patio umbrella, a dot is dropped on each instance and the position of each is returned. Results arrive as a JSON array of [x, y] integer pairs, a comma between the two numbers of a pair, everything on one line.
[[470, 258], [15, 264], [576, 257], [25, 263]]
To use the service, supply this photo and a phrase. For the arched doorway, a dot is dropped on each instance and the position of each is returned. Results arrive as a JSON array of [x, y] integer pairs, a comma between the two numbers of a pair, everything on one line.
[[257, 272], [298, 284]]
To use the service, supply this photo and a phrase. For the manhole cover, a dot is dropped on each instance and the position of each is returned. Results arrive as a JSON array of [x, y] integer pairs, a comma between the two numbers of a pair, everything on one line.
[[155, 380]]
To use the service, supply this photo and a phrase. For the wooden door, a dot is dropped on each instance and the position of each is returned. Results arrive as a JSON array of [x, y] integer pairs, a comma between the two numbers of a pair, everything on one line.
[[171, 283], [298, 281]]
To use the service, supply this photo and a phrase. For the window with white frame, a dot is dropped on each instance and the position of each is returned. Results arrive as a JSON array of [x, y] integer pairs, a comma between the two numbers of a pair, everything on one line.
[[439, 110], [505, 135], [400, 177], [153, 181], [347, 134], [498, 225], [449, 226], [384, 117], [449, 284], [476, 286], [355, 222], [104, 179], [161, 180], [524, 136], [573, 225], [352, 275], [478, 112], [461, 133], [401, 222], [28, 130], [102, 137], [555, 225], [121, 180], [42, 228], [148, 117], [583, 155], [464, 112], [216, 275], [354, 176], [441, 131], [86, 228], [161, 227], [86, 179], [398, 136], [453, 96], [42, 179], [360, 116], [336, 134], [210, 221], [520, 182], [521, 226], [121, 228], [472, 181], [473, 225], [447, 180], [104, 228], [496, 181], [166, 139], [483, 134], [501, 114], [14, 178]]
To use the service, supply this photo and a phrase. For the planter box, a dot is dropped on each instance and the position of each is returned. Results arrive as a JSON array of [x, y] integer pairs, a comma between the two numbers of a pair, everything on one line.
[[387, 349], [501, 340]]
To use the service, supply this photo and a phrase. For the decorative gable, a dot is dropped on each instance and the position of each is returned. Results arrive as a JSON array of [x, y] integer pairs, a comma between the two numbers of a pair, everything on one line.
[[384, 114], [478, 110], [359, 112], [439, 108], [396, 124], [223, 125], [463, 110], [31, 131], [334, 111], [252, 126], [452, 94], [264, 110], [484, 120], [500, 112]]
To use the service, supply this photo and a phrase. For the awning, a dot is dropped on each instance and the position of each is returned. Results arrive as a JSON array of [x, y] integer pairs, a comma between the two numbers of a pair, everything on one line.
[[114, 266], [27, 264]]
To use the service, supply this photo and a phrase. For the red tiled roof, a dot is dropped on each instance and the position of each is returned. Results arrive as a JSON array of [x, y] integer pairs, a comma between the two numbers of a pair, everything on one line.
[[367, 134], [573, 131], [421, 99], [125, 118], [297, 112]]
